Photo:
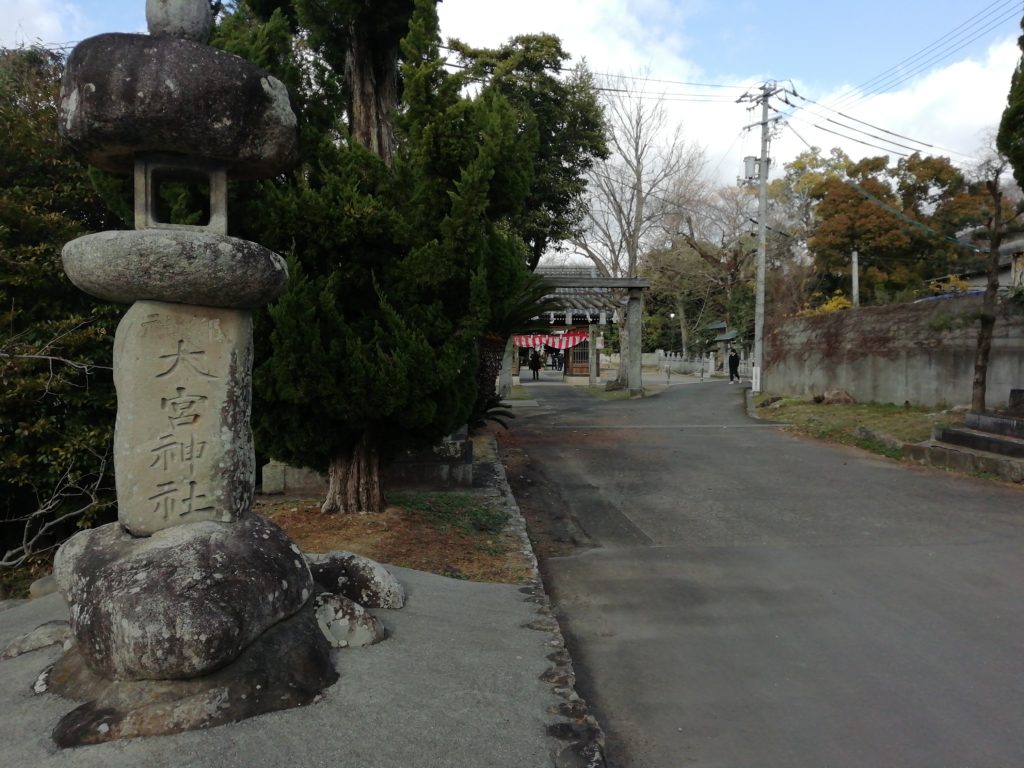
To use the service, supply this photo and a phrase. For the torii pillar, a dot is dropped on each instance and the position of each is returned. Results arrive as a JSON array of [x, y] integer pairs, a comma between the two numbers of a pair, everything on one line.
[[634, 381]]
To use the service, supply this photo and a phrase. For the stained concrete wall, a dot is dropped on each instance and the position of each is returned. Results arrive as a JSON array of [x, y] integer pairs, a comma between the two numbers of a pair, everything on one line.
[[448, 464], [921, 353]]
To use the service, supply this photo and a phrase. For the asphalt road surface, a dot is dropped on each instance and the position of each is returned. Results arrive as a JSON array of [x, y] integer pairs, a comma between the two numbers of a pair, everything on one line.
[[738, 597]]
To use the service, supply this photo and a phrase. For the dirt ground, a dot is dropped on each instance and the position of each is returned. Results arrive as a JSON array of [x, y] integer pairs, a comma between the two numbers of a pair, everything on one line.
[[403, 537]]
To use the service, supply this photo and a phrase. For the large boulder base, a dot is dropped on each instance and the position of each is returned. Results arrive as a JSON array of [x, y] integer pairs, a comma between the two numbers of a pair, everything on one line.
[[124, 95], [345, 623], [180, 603], [175, 266], [50, 633], [287, 666], [358, 578]]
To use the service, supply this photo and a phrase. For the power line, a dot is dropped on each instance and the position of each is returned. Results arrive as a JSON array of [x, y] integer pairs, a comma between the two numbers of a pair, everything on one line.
[[725, 154], [872, 136], [680, 97], [865, 143], [800, 137], [564, 70], [870, 125], [926, 64], [670, 82], [669, 95], [928, 48], [898, 73]]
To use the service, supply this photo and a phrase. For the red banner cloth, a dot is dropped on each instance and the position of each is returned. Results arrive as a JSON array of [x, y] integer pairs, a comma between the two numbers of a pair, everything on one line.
[[561, 341]]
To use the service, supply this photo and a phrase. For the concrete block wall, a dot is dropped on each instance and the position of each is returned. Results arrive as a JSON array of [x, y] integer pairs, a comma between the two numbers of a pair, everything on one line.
[[448, 464], [921, 353]]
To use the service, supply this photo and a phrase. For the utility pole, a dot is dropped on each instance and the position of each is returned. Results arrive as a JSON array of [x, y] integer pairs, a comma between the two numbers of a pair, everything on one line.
[[855, 273], [767, 90]]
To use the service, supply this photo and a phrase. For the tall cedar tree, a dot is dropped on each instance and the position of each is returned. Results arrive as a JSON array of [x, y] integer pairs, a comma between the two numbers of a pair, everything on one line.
[[1010, 137], [373, 348], [1010, 143], [563, 116], [56, 390], [529, 71]]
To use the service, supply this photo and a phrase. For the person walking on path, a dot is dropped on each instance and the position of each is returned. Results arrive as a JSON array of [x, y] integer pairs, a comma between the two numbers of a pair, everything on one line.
[[734, 365], [535, 364]]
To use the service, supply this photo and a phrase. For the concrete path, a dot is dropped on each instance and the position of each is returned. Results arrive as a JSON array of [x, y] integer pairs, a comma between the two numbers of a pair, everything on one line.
[[471, 676], [457, 683], [735, 596]]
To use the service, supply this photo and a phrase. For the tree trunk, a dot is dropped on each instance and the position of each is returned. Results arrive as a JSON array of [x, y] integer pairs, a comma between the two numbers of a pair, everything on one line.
[[985, 329], [371, 74], [353, 481], [622, 375], [682, 328], [505, 375], [492, 349], [988, 301], [371, 71]]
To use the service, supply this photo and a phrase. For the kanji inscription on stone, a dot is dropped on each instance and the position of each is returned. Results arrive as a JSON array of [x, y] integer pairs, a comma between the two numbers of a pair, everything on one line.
[[182, 444]]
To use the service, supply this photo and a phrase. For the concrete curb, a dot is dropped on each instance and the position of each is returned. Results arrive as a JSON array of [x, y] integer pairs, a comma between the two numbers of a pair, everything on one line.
[[573, 724]]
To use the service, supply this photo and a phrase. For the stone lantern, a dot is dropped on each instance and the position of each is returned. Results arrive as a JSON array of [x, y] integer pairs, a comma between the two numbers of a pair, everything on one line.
[[190, 610]]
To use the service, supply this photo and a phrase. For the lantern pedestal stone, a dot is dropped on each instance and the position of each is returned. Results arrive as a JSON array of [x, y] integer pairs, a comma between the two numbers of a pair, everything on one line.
[[182, 445], [190, 610]]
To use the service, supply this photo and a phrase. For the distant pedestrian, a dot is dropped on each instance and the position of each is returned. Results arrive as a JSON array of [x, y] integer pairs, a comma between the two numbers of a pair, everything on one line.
[[734, 366], [535, 364]]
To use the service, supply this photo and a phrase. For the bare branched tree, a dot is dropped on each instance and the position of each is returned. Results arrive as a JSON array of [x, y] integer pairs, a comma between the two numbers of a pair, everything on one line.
[[15, 348], [74, 496], [46, 505], [633, 191], [639, 184], [996, 214], [721, 231]]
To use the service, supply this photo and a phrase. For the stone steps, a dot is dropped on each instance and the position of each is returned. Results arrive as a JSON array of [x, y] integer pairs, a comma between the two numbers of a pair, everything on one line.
[[1011, 426], [987, 443], [967, 460], [978, 440]]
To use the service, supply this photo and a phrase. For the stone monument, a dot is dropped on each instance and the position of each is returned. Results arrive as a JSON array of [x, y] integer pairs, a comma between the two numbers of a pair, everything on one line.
[[189, 611]]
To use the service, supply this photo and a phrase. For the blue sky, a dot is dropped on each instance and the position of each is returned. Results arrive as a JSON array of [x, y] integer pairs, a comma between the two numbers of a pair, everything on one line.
[[950, 92]]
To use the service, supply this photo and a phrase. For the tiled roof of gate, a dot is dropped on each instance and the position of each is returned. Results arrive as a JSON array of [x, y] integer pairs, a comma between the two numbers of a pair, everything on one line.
[[591, 300]]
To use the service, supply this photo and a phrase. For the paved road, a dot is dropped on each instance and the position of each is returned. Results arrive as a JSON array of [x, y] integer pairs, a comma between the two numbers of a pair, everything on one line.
[[736, 597]]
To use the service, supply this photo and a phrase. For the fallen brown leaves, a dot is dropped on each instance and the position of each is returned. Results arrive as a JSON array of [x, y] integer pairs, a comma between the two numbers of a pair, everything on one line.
[[402, 538]]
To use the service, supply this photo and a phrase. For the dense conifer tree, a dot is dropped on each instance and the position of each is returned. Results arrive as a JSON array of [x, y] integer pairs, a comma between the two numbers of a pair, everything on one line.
[[396, 247], [1010, 138], [56, 390]]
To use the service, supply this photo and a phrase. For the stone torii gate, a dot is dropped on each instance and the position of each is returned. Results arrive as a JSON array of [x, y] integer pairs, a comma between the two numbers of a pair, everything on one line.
[[570, 278]]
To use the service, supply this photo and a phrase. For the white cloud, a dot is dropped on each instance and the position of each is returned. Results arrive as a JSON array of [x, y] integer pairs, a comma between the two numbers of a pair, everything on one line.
[[953, 108], [950, 107], [47, 21]]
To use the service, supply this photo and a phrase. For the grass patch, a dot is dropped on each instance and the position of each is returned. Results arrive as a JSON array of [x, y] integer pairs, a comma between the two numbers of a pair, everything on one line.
[[461, 512], [603, 394], [14, 582], [840, 423], [879, 447], [519, 392]]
